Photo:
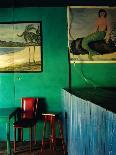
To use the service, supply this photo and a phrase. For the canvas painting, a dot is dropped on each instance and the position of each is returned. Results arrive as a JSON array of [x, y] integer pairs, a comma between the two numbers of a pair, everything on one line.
[[20, 47], [92, 34]]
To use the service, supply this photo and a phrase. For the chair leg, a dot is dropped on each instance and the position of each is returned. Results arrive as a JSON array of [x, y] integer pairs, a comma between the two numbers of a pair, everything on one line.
[[14, 140], [30, 139], [35, 134], [21, 135]]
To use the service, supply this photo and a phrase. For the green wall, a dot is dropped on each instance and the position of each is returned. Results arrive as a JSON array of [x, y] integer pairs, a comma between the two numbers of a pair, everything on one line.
[[48, 83], [93, 75]]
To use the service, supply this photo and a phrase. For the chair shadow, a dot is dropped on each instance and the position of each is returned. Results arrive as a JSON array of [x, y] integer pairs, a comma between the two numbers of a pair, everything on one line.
[[42, 108]]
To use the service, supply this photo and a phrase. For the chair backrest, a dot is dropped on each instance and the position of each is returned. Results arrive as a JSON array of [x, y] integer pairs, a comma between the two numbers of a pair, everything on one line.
[[28, 108]]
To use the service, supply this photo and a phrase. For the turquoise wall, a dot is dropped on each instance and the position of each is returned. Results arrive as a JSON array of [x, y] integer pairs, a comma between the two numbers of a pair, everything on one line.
[[93, 75], [48, 83]]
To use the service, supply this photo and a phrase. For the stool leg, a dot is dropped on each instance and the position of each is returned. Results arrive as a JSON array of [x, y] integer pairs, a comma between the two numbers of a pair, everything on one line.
[[14, 140], [53, 136], [61, 135], [43, 135]]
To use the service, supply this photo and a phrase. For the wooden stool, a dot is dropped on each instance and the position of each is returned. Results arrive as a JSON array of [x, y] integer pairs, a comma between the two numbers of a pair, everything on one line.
[[52, 119]]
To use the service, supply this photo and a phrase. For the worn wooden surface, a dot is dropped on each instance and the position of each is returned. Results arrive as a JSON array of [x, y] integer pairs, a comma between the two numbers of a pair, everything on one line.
[[90, 129]]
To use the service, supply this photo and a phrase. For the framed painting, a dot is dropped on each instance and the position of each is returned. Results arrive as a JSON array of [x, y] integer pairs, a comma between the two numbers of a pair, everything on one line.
[[20, 47], [92, 34]]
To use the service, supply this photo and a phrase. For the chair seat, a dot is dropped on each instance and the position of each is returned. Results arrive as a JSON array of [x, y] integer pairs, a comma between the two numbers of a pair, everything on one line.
[[24, 123]]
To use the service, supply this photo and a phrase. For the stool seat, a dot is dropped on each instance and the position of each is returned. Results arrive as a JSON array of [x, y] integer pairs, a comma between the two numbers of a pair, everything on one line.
[[52, 118], [47, 116]]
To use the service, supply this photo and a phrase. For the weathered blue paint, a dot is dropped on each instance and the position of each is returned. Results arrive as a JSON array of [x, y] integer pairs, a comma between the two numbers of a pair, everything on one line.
[[91, 128]]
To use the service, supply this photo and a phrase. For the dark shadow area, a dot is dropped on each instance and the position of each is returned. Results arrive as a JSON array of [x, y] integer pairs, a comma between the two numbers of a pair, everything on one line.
[[42, 107], [104, 97], [23, 149], [38, 3]]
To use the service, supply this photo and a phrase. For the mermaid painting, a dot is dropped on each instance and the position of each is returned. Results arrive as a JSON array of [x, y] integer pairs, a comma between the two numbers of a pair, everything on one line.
[[103, 32], [92, 34]]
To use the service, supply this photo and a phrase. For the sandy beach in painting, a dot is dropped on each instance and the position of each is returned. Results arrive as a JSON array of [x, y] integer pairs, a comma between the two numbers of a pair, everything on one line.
[[20, 57]]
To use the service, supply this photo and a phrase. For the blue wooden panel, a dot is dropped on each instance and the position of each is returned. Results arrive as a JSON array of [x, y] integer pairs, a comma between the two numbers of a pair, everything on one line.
[[91, 128]]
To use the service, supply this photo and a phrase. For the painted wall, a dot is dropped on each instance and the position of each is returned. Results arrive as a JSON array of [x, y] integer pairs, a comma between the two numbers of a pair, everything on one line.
[[48, 83], [93, 75]]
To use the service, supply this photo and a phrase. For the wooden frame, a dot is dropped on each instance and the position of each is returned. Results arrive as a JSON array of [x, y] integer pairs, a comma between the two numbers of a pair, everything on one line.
[[20, 47]]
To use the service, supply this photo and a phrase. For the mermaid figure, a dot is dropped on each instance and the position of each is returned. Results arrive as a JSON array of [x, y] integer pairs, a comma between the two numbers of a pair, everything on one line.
[[102, 32]]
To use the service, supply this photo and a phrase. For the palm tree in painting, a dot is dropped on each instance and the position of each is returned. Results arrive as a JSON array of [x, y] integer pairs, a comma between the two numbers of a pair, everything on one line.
[[31, 38]]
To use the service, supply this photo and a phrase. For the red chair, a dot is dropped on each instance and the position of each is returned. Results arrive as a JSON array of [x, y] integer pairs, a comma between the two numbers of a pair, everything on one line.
[[26, 118]]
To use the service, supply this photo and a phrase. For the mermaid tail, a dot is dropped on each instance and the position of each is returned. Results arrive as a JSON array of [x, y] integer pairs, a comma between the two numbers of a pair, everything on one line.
[[97, 36]]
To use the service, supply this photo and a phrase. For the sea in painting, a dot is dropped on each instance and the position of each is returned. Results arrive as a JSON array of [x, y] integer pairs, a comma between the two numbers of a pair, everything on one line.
[[20, 47]]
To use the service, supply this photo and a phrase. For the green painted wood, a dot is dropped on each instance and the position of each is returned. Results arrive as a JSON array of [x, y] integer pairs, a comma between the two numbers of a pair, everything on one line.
[[5, 116]]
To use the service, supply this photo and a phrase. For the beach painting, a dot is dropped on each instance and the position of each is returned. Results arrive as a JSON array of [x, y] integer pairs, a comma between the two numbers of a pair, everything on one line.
[[20, 47], [92, 34]]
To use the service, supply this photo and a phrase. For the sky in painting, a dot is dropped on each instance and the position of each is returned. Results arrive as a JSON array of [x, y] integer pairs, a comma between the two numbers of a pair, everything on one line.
[[8, 32]]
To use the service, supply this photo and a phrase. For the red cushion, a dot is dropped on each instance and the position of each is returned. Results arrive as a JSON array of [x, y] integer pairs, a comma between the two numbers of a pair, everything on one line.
[[28, 107]]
